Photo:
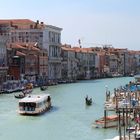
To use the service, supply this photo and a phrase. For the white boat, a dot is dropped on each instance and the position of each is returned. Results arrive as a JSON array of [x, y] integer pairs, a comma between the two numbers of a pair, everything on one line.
[[131, 129], [137, 78], [110, 121], [136, 134], [109, 106], [34, 104], [118, 138]]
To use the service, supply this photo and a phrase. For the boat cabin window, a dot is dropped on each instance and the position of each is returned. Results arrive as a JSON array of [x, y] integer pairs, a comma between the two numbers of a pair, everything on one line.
[[21, 104], [40, 104], [28, 106]]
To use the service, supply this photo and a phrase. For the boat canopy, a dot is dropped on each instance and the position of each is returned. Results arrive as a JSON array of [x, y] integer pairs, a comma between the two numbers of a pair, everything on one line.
[[34, 98]]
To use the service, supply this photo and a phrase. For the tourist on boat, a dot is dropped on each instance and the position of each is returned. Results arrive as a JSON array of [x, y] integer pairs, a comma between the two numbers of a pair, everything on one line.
[[49, 99]]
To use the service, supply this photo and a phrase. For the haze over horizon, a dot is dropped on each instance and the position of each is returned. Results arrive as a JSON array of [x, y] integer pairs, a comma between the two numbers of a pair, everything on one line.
[[94, 22]]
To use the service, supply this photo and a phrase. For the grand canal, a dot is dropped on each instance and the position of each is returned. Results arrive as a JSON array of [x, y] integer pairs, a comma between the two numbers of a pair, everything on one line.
[[69, 119]]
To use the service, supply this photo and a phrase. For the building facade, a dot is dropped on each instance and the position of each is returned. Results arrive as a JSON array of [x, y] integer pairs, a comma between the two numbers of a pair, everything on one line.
[[25, 43], [52, 42], [69, 63]]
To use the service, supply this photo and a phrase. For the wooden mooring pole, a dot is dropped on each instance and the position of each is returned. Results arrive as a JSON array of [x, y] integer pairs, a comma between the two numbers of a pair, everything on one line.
[[105, 114], [120, 135]]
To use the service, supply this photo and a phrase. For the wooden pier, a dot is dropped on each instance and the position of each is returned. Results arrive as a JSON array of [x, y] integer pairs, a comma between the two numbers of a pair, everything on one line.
[[126, 104]]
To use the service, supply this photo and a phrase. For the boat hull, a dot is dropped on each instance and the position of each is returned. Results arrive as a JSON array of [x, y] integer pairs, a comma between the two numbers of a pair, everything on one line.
[[19, 96], [111, 121], [35, 112], [108, 124]]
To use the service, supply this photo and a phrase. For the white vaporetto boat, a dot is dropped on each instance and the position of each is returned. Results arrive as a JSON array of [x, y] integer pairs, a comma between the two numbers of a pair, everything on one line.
[[34, 104]]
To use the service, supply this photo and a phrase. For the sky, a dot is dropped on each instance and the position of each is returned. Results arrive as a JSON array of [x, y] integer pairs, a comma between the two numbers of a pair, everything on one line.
[[94, 22]]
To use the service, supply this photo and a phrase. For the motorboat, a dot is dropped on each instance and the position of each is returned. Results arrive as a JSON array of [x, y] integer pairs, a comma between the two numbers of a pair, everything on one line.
[[136, 134], [34, 104], [107, 122], [131, 129]]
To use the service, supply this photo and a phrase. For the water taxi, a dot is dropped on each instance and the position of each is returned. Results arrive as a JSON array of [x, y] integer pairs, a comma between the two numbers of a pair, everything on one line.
[[108, 122], [34, 104]]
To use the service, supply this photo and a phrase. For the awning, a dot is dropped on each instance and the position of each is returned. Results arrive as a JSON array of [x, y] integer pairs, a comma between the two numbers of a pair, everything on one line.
[[17, 46], [24, 46], [18, 53], [34, 48]]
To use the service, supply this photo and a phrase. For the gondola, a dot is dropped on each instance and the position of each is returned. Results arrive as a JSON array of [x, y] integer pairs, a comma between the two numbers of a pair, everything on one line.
[[20, 96], [88, 101]]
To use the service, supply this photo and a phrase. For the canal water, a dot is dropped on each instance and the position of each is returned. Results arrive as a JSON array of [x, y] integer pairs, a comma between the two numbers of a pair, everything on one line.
[[69, 119]]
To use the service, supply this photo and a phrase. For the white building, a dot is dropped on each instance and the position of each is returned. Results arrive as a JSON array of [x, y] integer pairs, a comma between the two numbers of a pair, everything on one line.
[[52, 42]]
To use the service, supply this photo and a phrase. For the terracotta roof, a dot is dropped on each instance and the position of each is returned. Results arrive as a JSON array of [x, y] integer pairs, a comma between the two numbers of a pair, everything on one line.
[[23, 23], [83, 50], [34, 48], [67, 49], [31, 46], [17, 21], [134, 52], [25, 46]]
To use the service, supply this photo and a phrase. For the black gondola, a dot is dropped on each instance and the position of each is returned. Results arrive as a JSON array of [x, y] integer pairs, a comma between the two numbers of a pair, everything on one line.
[[88, 101], [20, 96]]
